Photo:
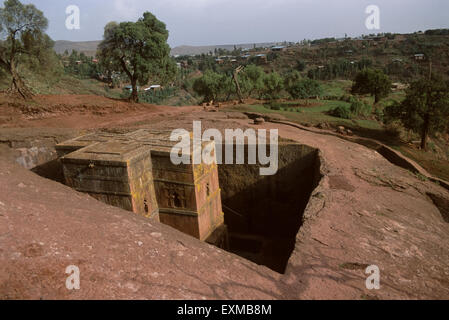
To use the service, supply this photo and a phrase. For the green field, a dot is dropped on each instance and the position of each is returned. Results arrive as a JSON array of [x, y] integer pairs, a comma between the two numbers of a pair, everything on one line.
[[336, 88], [314, 115], [314, 112]]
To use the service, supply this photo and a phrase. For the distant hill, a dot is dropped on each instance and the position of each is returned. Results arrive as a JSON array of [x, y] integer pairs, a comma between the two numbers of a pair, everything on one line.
[[90, 47], [193, 50]]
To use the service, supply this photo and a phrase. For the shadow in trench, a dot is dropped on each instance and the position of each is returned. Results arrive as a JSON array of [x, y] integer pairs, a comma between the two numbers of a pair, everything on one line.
[[264, 213]]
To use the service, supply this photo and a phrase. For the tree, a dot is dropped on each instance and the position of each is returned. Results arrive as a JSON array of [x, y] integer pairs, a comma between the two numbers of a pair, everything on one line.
[[304, 89], [291, 78], [373, 82], [139, 49], [235, 77], [273, 85], [21, 33], [425, 108], [300, 65], [255, 75], [211, 85], [246, 85]]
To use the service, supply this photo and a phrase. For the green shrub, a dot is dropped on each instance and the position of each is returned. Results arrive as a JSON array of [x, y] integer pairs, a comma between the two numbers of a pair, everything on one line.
[[359, 108], [331, 97], [379, 114], [273, 85], [274, 106], [157, 97], [345, 98], [341, 112], [304, 88], [394, 129]]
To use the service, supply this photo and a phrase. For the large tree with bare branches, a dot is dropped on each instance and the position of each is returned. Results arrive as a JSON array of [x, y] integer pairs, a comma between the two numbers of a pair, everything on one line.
[[21, 33]]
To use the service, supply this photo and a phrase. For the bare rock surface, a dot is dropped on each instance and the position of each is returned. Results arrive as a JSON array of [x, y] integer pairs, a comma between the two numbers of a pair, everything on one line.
[[366, 211], [46, 227]]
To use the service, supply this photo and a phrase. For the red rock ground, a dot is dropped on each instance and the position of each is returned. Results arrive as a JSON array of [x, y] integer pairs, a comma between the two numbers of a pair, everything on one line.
[[365, 211]]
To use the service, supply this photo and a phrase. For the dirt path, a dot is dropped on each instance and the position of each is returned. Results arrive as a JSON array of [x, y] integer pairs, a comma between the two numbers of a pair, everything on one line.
[[81, 112]]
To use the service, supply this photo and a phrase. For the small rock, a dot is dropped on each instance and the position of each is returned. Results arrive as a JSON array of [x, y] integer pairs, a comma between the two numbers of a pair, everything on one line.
[[131, 286], [156, 234], [323, 125], [341, 130], [21, 185], [259, 121], [139, 243]]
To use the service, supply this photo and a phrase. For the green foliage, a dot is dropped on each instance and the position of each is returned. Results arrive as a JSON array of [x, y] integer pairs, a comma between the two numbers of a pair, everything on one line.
[[291, 78], [437, 32], [360, 108], [273, 85], [80, 66], [156, 97], [139, 49], [165, 73], [300, 65], [425, 108], [322, 41], [348, 98], [304, 89], [246, 85], [22, 29], [213, 85], [207, 63], [255, 76], [341, 68], [394, 129], [272, 56], [341, 112], [373, 82], [274, 106]]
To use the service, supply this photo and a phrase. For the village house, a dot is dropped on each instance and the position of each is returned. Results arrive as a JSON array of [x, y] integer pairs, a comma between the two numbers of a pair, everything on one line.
[[261, 57], [278, 48], [152, 88], [419, 56]]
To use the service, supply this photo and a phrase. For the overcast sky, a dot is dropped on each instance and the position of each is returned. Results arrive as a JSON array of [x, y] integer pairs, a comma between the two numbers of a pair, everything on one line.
[[211, 22]]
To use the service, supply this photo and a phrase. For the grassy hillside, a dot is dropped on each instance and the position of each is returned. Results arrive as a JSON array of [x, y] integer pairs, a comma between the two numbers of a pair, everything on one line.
[[61, 83], [435, 161]]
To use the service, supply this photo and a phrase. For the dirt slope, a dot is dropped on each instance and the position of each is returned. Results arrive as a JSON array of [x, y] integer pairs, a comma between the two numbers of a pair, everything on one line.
[[79, 111]]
